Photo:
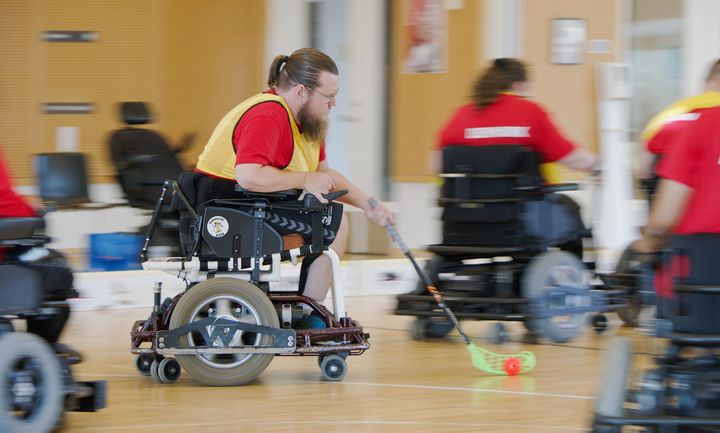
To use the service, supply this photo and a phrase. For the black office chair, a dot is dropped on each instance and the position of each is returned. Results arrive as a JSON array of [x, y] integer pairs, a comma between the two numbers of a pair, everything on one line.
[[63, 181], [62, 178], [144, 161], [142, 157]]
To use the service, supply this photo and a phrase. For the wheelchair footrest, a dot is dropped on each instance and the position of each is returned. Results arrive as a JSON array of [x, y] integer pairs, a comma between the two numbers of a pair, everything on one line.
[[462, 315], [349, 338], [658, 421], [574, 301], [218, 335]]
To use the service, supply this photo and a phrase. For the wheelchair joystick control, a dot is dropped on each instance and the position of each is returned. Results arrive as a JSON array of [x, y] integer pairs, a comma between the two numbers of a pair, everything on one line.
[[312, 202]]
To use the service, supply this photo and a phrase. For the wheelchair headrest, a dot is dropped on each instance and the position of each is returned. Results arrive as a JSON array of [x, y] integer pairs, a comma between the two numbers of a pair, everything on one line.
[[135, 113]]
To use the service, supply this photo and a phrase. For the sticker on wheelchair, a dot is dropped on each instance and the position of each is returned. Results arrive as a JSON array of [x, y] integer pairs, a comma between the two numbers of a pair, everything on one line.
[[218, 226]]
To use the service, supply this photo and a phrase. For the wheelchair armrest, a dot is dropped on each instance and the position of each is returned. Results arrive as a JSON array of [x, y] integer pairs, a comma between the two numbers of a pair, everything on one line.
[[311, 202], [135, 160], [557, 187], [709, 289], [478, 176], [546, 189], [285, 194]]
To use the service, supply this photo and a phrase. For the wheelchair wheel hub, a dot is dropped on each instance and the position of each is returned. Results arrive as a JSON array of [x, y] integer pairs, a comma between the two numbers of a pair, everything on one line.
[[229, 308], [24, 387]]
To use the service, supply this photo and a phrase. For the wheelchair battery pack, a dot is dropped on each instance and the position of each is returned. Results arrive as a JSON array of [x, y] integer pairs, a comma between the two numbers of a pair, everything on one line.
[[467, 234]]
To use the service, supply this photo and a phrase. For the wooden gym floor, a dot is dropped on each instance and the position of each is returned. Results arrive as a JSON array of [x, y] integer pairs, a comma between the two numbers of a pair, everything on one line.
[[398, 385]]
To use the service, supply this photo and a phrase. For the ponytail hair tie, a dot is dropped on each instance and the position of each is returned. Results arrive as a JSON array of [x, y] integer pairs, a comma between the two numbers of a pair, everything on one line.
[[281, 63], [500, 63]]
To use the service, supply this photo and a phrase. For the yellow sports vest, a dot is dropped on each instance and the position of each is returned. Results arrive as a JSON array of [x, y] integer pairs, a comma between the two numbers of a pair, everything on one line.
[[698, 102], [218, 157]]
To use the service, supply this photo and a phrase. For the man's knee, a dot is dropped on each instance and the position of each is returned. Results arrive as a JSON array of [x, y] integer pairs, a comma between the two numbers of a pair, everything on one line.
[[339, 245]]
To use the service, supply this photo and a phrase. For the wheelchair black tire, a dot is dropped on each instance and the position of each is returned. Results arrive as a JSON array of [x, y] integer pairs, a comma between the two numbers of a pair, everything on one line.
[[255, 363], [49, 409], [533, 288], [630, 313], [616, 368]]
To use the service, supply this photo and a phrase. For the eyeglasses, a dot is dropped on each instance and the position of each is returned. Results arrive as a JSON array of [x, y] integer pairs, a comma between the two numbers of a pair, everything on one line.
[[330, 98]]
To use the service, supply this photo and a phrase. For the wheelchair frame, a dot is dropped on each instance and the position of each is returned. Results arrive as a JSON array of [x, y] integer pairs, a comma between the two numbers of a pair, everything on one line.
[[37, 380], [666, 400], [503, 267], [154, 341]]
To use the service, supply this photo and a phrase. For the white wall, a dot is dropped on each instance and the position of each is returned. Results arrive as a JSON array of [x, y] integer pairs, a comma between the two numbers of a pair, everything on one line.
[[701, 42]]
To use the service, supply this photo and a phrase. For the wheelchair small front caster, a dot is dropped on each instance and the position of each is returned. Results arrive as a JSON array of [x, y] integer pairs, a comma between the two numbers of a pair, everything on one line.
[[154, 366], [168, 370], [143, 363], [343, 355], [599, 323], [333, 367], [498, 333]]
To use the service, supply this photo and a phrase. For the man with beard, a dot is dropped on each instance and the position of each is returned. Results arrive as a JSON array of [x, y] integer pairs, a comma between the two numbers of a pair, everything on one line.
[[277, 140]]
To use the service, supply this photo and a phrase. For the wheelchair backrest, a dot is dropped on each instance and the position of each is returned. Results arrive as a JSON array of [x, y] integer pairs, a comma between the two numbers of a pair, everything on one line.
[[485, 183], [142, 158], [21, 289], [691, 267], [483, 194], [504, 168], [62, 178]]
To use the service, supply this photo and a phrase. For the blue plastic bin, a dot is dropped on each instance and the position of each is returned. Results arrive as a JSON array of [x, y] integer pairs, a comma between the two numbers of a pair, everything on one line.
[[115, 251]]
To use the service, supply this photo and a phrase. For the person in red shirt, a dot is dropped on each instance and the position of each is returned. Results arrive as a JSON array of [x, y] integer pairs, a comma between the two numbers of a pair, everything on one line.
[[499, 114], [12, 205], [57, 278], [275, 141], [686, 200], [667, 126]]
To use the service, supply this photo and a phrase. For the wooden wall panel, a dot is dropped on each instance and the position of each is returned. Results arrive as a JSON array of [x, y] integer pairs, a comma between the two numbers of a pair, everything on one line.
[[191, 61], [420, 103], [19, 50], [568, 91], [203, 84], [122, 65]]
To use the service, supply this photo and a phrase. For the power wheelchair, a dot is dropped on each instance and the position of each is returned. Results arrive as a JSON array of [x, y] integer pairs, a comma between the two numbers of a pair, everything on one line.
[[36, 380], [227, 326], [512, 250], [682, 393]]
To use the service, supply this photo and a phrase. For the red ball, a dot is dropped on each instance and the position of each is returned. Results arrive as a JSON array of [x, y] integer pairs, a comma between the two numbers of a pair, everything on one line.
[[512, 366]]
